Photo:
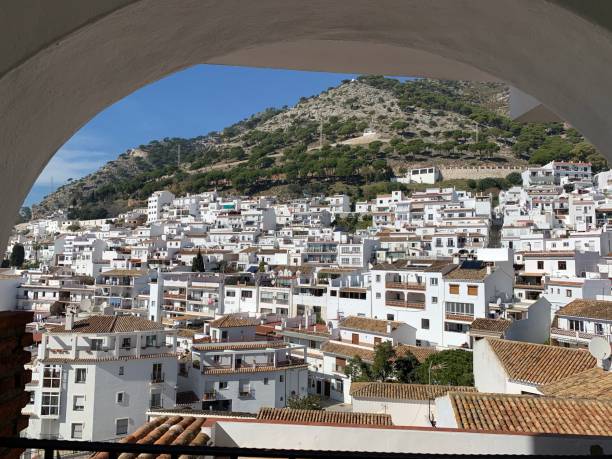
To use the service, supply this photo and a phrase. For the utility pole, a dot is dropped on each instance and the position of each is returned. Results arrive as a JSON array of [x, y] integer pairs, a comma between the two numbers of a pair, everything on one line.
[[321, 133]]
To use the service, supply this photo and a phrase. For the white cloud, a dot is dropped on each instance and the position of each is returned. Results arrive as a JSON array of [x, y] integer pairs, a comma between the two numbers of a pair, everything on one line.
[[80, 156]]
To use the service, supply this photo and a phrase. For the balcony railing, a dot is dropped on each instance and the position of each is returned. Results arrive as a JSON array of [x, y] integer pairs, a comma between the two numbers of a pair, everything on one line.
[[404, 304], [51, 446], [210, 395], [405, 285], [157, 378]]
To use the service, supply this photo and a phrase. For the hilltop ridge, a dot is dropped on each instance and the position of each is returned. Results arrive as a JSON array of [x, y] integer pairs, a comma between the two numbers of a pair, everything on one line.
[[317, 145]]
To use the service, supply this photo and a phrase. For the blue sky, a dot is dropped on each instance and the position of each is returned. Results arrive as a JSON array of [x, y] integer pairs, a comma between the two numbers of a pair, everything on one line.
[[192, 102]]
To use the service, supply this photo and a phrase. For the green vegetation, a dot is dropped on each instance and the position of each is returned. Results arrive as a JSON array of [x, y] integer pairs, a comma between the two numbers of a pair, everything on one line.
[[450, 367], [253, 157], [307, 402], [197, 263], [17, 256]]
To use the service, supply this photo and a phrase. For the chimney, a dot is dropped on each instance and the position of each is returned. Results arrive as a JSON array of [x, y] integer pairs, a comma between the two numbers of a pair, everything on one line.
[[389, 327], [70, 313]]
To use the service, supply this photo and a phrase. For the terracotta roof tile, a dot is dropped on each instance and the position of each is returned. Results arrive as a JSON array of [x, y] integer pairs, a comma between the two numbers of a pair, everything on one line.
[[467, 274], [528, 414], [369, 325], [490, 325], [167, 430], [239, 346], [592, 383], [108, 324], [397, 391], [319, 416], [345, 350], [589, 309], [539, 363], [234, 320]]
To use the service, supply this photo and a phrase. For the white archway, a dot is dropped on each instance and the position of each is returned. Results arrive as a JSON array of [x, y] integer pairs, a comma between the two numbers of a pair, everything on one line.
[[67, 60]]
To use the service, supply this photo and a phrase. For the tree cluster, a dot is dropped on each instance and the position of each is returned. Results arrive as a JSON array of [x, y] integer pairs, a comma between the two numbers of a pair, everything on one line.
[[450, 367]]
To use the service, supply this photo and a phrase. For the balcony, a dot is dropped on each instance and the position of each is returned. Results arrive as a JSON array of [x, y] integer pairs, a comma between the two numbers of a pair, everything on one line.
[[404, 304], [157, 378], [246, 392], [568, 334], [459, 317], [525, 286], [405, 286]]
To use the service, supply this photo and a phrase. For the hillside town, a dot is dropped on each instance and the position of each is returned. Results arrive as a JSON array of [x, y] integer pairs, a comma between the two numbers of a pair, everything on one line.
[[214, 306]]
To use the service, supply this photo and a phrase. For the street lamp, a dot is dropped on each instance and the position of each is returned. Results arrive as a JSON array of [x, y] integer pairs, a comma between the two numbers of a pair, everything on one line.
[[439, 366]]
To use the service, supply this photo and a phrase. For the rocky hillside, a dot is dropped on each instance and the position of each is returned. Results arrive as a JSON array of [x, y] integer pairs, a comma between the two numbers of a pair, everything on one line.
[[319, 146]]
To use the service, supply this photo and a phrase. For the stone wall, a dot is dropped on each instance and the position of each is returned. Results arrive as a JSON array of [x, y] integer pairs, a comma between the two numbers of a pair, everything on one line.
[[13, 375], [477, 173]]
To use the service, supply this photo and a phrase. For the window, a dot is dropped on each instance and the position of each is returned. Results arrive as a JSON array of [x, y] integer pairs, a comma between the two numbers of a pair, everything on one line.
[[459, 308], [334, 292], [378, 295], [76, 431], [126, 343], [540, 264], [78, 403], [562, 265], [246, 294], [80, 375], [339, 385], [456, 328], [120, 397], [50, 404], [230, 293], [425, 324], [377, 340], [473, 290], [433, 281], [156, 373], [576, 325], [222, 385], [266, 381], [96, 345], [281, 378], [156, 401], [568, 293], [51, 376], [599, 329], [434, 300], [121, 426], [390, 316], [151, 340], [453, 289], [378, 278], [121, 371]]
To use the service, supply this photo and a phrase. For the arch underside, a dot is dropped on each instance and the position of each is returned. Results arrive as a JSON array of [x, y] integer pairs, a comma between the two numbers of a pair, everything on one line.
[[73, 60]]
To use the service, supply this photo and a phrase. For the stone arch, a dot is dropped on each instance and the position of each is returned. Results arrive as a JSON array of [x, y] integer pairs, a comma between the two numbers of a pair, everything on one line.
[[65, 61]]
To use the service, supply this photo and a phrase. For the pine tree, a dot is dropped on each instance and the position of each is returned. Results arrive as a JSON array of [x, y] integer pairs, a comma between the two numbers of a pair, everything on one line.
[[17, 255], [197, 264]]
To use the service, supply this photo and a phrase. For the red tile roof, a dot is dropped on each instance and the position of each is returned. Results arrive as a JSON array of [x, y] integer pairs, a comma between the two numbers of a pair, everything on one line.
[[529, 414], [539, 363]]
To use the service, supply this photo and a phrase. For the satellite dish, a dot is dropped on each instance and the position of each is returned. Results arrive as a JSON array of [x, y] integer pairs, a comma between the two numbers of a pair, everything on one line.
[[600, 348]]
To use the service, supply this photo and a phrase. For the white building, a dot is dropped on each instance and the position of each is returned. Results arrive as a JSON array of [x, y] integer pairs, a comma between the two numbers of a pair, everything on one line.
[[95, 378], [155, 204]]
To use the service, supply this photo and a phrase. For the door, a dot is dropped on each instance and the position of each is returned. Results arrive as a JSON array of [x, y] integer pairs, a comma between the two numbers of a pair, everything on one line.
[[355, 338], [327, 389], [318, 387]]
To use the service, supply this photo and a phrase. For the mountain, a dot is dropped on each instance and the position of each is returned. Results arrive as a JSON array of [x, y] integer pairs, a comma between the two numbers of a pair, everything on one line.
[[319, 146]]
